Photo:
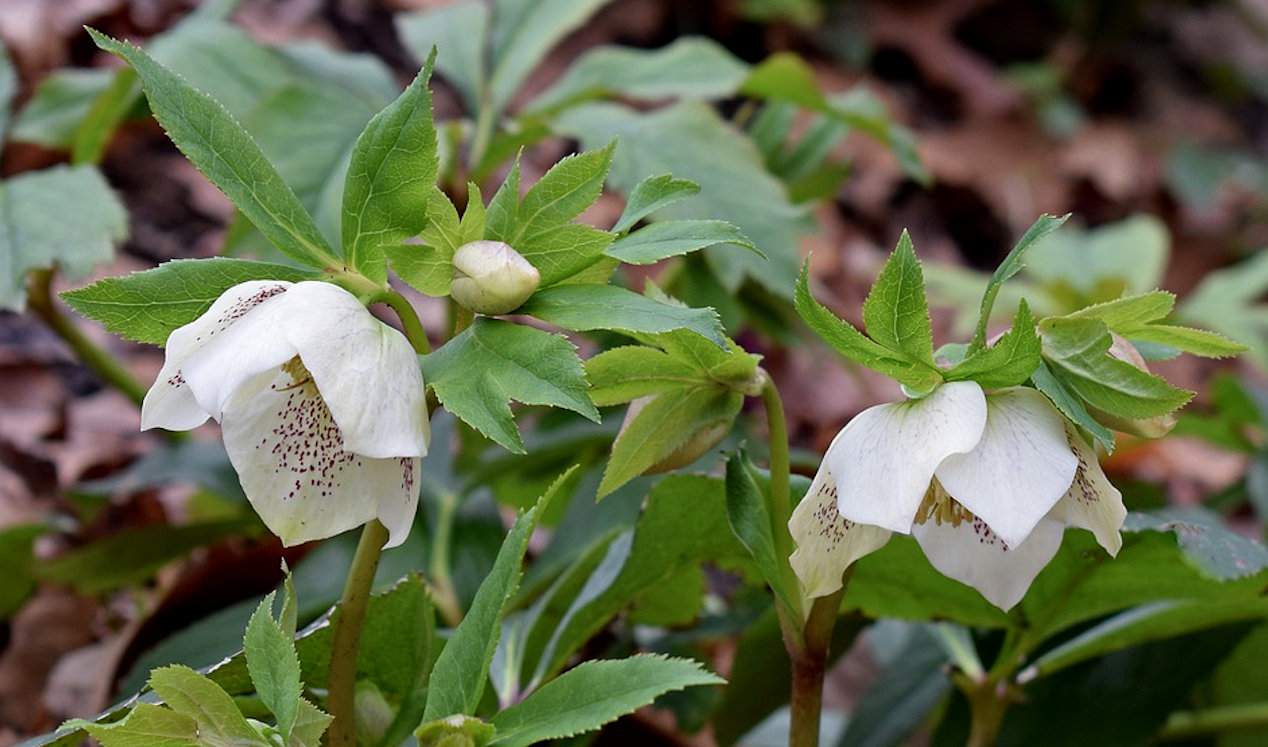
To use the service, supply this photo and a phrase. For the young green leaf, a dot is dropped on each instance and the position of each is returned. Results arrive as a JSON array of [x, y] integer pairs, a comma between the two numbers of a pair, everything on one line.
[[664, 424], [592, 694], [391, 175], [1186, 339], [750, 520], [35, 232], [1070, 405], [191, 694], [147, 306], [148, 725], [274, 666], [847, 341], [588, 307], [476, 373], [632, 371], [428, 267], [673, 238], [310, 724], [652, 194], [1011, 265], [896, 313], [214, 142], [1077, 350], [459, 677], [1008, 362], [1130, 311]]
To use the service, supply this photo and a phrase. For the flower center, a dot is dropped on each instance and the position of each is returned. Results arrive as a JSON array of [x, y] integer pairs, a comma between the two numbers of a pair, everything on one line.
[[941, 507]]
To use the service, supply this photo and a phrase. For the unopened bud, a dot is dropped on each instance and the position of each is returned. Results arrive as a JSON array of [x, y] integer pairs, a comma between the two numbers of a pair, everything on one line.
[[454, 731], [696, 445], [489, 277], [374, 713], [1155, 427]]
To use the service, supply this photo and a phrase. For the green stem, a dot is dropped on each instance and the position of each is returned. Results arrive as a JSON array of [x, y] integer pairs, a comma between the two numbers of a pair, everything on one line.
[[809, 662], [443, 593], [106, 367], [781, 500], [346, 639], [1239, 717], [986, 709], [462, 318], [410, 324]]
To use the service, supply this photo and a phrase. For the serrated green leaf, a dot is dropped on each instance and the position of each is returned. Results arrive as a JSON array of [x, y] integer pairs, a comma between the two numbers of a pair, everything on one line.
[[191, 694], [1077, 349], [750, 520], [662, 425], [690, 67], [1186, 339], [310, 724], [583, 308], [895, 313], [1130, 311], [592, 694], [1009, 362], [428, 267], [391, 174], [848, 342], [690, 140], [652, 194], [538, 225], [214, 142], [147, 306], [148, 725], [1070, 405], [632, 371], [274, 666], [673, 238], [491, 362], [35, 232], [1010, 266], [460, 674]]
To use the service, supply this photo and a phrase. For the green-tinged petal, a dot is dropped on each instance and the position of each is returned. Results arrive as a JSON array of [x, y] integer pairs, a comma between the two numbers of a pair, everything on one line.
[[1020, 468], [884, 458], [827, 543], [1092, 502]]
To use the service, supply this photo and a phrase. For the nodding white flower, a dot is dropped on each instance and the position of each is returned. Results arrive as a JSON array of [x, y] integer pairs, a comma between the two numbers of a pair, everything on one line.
[[321, 405], [986, 483]]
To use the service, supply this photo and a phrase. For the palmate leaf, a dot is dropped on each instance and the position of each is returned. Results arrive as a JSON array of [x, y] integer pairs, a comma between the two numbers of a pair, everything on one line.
[[1010, 361], [476, 373], [37, 234], [592, 694], [214, 142], [147, 306], [428, 267], [1137, 318], [392, 172]]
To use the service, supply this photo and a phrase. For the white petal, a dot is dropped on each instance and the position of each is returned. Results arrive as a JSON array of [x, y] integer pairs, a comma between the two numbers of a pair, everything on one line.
[[245, 341], [885, 457], [1019, 469], [971, 553], [826, 543], [289, 456], [1092, 503], [367, 372], [169, 403]]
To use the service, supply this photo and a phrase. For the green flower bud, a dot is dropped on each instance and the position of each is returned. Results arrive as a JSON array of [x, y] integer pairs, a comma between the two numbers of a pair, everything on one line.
[[705, 437], [1155, 427], [489, 277], [454, 731], [374, 713]]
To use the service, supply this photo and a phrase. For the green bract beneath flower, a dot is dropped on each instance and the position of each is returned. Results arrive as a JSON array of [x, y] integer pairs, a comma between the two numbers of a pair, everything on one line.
[[321, 405], [985, 483], [492, 278]]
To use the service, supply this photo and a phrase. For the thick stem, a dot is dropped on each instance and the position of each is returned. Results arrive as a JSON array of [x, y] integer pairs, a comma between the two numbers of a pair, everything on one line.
[[809, 662], [346, 639], [987, 704], [40, 299]]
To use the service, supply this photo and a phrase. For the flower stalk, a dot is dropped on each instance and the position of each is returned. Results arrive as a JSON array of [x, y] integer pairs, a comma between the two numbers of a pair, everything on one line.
[[346, 639], [41, 302]]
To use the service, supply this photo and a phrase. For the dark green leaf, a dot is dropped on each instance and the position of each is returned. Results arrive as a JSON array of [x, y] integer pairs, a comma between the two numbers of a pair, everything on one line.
[[652, 194], [589, 307], [750, 520], [1009, 362], [673, 238], [895, 313]]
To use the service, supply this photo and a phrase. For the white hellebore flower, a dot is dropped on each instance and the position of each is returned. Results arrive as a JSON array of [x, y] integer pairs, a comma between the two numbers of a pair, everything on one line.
[[986, 483], [321, 405]]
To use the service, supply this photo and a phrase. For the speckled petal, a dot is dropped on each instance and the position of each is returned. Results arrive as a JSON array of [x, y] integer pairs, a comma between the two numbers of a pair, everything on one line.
[[289, 455], [169, 403], [367, 371], [827, 543], [1092, 502]]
